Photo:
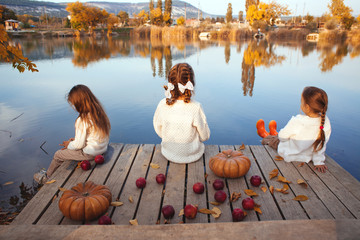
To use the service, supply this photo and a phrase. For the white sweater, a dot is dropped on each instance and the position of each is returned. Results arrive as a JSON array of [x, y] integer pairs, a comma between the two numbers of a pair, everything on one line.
[[87, 140], [297, 137], [182, 127]]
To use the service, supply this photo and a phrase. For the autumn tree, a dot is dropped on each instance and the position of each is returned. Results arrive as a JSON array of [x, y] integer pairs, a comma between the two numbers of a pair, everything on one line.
[[159, 4], [241, 16], [339, 10], [248, 3], [6, 14], [124, 17], [266, 12], [167, 12], [13, 54], [151, 8], [229, 13], [142, 17], [157, 16], [180, 21], [112, 20]]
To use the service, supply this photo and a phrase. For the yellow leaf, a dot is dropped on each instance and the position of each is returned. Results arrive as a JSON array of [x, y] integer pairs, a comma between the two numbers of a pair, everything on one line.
[[154, 165], [7, 183], [134, 222], [181, 212], [282, 179], [257, 209], [242, 147], [302, 183], [273, 173], [62, 189], [217, 212], [278, 158], [263, 189], [215, 203], [131, 199], [283, 190], [78, 165], [116, 204], [206, 211], [52, 181], [235, 196], [250, 192], [271, 189], [301, 198]]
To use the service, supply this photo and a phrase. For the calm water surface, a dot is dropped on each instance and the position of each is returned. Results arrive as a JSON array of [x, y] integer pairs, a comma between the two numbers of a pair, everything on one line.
[[237, 83]]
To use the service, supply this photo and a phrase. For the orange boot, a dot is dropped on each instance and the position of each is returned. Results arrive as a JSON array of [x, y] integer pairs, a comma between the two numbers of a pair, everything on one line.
[[261, 131], [272, 128]]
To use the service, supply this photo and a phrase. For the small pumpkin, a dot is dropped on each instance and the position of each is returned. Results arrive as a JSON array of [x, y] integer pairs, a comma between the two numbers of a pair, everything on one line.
[[85, 201], [230, 164]]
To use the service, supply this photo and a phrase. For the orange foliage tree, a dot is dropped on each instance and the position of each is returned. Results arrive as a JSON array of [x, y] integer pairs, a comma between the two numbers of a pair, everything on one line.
[[266, 12]]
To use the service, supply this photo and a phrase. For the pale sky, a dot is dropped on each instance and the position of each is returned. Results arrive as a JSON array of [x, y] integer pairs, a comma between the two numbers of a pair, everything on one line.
[[298, 7]]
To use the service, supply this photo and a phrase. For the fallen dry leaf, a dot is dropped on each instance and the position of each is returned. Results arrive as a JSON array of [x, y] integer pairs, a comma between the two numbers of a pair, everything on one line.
[[245, 213], [78, 165], [181, 212], [206, 211], [257, 208], [301, 164], [283, 190], [271, 189], [242, 147], [54, 198], [217, 212], [273, 173], [131, 199], [62, 189], [134, 222], [235, 196], [302, 183], [282, 179], [154, 165], [250, 192], [7, 183], [116, 204], [215, 203], [263, 189], [279, 158], [301, 198], [49, 182]]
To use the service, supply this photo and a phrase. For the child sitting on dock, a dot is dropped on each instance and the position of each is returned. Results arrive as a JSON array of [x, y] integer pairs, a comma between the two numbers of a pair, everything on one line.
[[180, 121], [304, 137], [92, 129]]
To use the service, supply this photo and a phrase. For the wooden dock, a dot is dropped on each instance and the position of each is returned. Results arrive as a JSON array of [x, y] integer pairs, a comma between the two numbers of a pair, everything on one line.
[[333, 205]]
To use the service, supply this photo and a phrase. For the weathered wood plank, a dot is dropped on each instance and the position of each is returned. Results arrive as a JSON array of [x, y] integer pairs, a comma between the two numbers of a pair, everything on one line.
[[340, 191], [337, 209], [53, 215], [290, 209], [150, 204], [139, 168], [270, 210], [196, 173], [313, 207], [295, 230], [174, 190], [212, 150], [40, 201], [343, 176]]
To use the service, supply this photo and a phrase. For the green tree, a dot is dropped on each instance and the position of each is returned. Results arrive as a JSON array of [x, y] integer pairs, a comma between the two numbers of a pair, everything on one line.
[[124, 17], [229, 13]]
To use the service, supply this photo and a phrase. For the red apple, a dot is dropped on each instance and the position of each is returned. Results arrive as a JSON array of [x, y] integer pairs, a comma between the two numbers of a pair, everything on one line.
[[190, 211], [85, 165], [141, 182], [160, 178], [255, 180], [238, 215], [198, 188], [99, 159], [248, 203], [220, 196], [168, 211], [104, 220], [218, 184]]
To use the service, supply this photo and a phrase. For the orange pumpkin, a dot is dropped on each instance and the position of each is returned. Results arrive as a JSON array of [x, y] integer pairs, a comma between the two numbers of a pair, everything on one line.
[[230, 164], [85, 201]]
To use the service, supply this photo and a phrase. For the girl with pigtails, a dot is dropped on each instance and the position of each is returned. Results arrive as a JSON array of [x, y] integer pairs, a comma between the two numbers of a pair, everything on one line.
[[180, 121], [304, 137]]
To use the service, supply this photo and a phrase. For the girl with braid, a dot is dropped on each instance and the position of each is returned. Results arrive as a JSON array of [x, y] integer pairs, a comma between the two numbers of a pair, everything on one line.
[[304, 137], [179, 120]]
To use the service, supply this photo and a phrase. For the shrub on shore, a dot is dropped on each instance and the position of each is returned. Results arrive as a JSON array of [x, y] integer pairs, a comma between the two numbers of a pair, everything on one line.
[[286, 34]]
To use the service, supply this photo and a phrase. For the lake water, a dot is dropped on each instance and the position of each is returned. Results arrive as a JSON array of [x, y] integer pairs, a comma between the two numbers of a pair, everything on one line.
[[237, 83]]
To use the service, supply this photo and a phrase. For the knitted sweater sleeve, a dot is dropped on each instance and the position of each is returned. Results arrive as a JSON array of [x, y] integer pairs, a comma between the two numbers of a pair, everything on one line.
[[80, 136], [201, 125]]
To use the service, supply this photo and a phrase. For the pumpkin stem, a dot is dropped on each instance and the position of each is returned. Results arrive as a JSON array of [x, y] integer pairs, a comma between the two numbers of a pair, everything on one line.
[[85, 194], [229, 156]]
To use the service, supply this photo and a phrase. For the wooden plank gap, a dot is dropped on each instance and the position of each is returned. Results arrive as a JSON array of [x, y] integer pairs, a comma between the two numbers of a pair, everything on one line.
[[206, 186], [162, 193]]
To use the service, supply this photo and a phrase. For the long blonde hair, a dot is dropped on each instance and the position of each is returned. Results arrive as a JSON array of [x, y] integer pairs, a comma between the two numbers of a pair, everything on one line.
[[90, 109]]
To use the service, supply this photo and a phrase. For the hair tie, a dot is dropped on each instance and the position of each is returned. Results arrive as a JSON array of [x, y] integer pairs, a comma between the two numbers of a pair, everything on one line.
[[169, 89], [321, 127], [188, 86]]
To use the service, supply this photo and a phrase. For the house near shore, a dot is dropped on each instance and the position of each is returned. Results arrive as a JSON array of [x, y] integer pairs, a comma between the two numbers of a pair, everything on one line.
[[12, 25]]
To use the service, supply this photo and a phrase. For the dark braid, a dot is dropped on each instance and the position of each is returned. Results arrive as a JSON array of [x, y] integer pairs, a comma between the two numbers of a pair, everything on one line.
[[180, 73], [317, 99]]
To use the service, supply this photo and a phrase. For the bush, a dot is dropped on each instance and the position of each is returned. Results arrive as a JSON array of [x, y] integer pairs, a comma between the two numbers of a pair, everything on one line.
[[312, 26], [260, 24], [331, 24]]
